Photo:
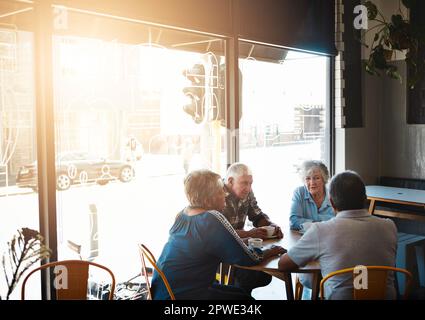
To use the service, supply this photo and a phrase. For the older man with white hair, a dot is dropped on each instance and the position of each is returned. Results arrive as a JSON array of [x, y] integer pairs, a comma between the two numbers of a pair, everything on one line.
[[241, 203]]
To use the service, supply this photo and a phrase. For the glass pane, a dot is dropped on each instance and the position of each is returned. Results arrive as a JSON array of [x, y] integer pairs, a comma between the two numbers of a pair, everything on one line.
[[136, 108], [18, 154], [284, 120]]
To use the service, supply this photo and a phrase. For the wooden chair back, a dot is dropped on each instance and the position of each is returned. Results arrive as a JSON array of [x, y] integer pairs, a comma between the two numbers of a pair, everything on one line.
[[71, 281], [145, 253], [377, 282]]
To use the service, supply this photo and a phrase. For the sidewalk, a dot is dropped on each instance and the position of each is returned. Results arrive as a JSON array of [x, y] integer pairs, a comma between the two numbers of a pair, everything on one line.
[[13, 191]]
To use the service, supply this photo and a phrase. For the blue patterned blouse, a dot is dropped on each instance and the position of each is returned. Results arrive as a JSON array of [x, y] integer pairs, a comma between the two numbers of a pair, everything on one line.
[[196, 246]]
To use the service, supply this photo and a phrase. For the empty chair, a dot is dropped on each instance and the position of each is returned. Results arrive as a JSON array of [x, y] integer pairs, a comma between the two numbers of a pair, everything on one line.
[[377, 282], [145, 253], [72, 281]]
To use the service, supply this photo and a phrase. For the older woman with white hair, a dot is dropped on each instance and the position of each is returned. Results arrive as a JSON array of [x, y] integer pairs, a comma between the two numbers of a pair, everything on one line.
[[310, 202]]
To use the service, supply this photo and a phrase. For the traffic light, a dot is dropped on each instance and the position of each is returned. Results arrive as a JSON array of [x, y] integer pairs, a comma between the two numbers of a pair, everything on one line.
[[216, 97], [195, 92], [218, 104], [219, 96]]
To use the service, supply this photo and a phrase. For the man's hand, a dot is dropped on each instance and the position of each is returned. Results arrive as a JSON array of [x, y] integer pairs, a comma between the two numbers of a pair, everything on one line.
[[257, 233], [273, 251], [277, 232]]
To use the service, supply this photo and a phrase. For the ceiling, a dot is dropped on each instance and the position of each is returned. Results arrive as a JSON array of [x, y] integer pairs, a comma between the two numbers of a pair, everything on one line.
[[19, 15]]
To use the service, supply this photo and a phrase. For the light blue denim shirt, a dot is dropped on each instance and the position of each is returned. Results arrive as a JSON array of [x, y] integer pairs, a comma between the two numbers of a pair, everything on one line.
[[304, 209]]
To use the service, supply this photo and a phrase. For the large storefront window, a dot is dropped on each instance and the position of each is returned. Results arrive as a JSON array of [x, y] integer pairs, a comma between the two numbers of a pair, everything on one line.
[[19, 206], [284, 120], [136, 107], [135, 112]]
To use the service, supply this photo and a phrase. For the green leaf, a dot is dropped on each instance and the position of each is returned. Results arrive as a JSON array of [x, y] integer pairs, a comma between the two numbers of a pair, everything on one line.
[[372, 10], [378, 58], [397, 20], [376, 37], [370, 68], [392, 72]]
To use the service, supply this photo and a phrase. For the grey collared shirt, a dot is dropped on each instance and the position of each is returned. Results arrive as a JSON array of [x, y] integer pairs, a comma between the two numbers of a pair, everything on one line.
[[352, 238]]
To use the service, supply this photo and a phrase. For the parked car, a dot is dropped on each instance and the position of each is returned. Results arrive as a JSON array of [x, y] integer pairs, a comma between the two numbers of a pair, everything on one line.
[[78, 167]]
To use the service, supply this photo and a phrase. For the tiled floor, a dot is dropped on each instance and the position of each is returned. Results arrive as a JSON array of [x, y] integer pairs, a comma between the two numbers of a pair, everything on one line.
[[275, 290]]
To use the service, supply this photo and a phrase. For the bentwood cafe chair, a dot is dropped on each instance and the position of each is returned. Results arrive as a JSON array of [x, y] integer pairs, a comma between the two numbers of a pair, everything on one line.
[[72, 279]]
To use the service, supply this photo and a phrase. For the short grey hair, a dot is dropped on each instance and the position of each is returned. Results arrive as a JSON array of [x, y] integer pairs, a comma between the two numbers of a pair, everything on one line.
[[309, 165], [200, 186], [347, 191], [237, 170]]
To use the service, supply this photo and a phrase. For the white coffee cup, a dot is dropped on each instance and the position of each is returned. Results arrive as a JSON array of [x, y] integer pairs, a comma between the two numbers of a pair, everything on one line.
[[270, 230], [255, 243]]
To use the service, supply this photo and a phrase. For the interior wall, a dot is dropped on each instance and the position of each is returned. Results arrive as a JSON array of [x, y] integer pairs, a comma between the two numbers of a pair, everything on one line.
[[362, 144], [386, 145], [358, 149], [403, 145]]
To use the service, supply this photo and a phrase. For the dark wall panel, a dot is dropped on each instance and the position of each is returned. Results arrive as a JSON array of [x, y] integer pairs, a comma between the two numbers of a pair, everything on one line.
[[416, 97], [200, 15], [302, 24], [353, 110]]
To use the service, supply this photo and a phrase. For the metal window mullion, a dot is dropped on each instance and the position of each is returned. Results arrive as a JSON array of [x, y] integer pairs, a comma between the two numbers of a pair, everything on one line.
[[45, 134], [232, 88], [232, 100], [331, 113]]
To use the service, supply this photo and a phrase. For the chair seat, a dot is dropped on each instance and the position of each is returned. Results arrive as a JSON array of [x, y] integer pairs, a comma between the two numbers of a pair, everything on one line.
[[410, 256]]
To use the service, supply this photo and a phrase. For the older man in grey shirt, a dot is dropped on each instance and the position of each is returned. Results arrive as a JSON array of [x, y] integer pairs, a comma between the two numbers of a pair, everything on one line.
[[352, 238]]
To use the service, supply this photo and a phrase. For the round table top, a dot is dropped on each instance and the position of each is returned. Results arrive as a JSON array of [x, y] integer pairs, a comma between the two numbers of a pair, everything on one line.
[[290, 238]]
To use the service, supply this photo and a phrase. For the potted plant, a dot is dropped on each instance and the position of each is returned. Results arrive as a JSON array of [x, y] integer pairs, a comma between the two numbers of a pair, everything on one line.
[[395, 35], [24, 250]]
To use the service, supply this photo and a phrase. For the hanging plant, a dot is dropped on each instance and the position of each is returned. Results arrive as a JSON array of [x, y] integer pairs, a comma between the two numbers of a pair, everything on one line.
[[24, 250], [395, 35]]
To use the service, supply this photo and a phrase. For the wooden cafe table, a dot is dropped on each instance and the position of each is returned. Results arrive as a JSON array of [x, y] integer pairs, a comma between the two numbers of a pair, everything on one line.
[[270, 266]]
